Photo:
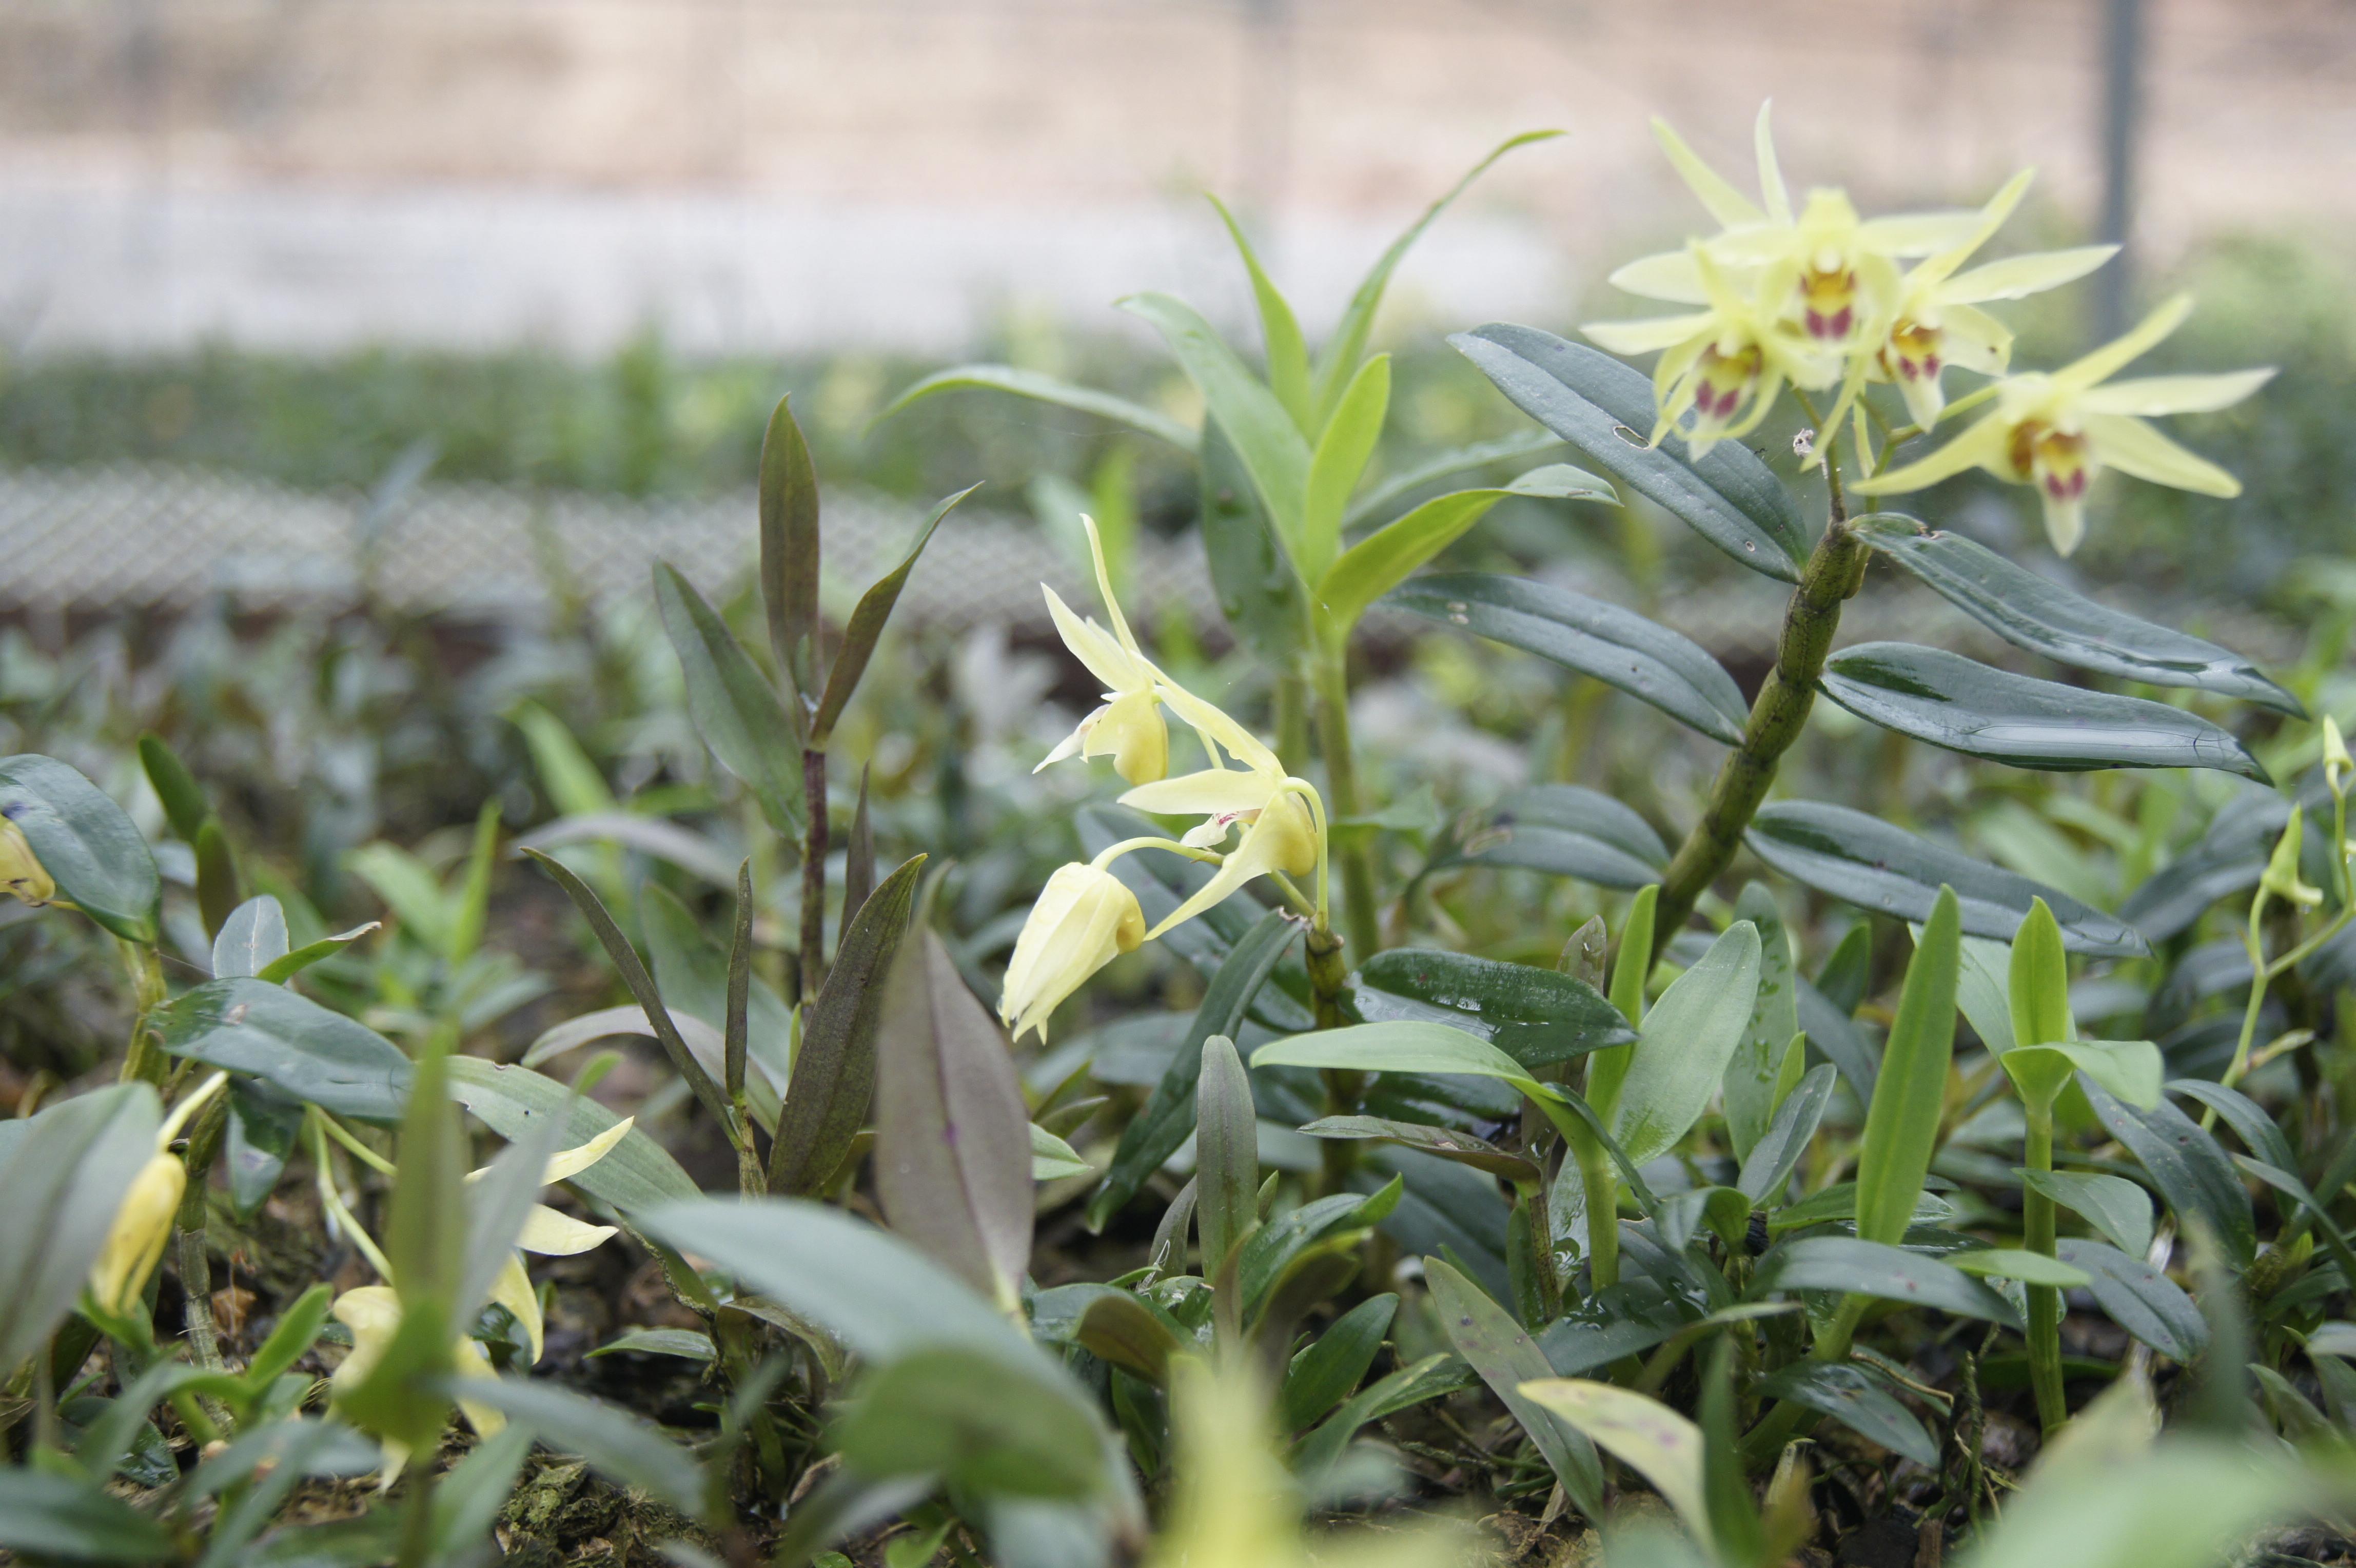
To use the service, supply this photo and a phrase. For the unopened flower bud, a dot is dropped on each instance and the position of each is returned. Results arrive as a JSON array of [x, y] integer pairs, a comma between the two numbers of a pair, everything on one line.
[[1085, 919], [2336, 760], [135, 1244], [21, 871], [2281, 879]]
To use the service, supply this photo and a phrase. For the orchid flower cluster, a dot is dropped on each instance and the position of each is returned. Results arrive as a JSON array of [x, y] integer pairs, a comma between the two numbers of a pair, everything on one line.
[[1086, 915], [1819, 297]]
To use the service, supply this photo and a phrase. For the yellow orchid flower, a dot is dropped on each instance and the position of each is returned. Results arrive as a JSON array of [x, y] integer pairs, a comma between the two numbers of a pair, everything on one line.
[[143, 1221], [21, 871], [373, 1313], [2057, 431], [1831, 271], [1934, 321], [550, 1233], [1725, 364], [1084, 919], [1128, 726]]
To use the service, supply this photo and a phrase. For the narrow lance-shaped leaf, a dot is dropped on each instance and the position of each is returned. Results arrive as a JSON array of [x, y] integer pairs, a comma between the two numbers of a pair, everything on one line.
[[2040, 615], [858, 856], [1272, 448], [1047, 388], [1604, 408], [183, 797], [1864, 860], [2190, 1171], [1338, 462], [834, 1074], [1963, 706], [1259, 592], [472, 906], [220, 887], [1902, 1125], [66, 1172], [1226, 1154], [1752, 1072], [1374, 502], [868, 619], [1683, 1044], [1566, 831], [731, 705], [952, 1137], [1615, 646], [789, 554], [84, 842], [641, 986], [1343, 349], [1288, 353], [736, 1033], [1506, 1359]]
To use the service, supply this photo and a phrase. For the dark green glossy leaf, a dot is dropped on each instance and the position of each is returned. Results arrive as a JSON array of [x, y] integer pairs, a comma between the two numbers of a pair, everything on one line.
[[626, 1449], [866, 625], [2229, 859], [684, 1343], [1757, 1064], [1226, 1153], [1616, 646], [1888, 870], [1159, 1129], [251, 939], [1444, 1142], [2185, 1162], [2249, 1119], [637, 1174], [1330, 1365], [289, 1041], [262, 1127], [2040, 615], [952, 1136], [1569, 831], [84, 842], [220, 885], [65, 1171], [731, 704], [1606, 408], [1850, 1395], [1047, 388], [1446, 1210], [789, 555], [2139, 1298], [1272, 1252], [1505, 1357], [1963, 705], [834, 1072], [1537, 1016], [61, 1516], [1850, 1263]]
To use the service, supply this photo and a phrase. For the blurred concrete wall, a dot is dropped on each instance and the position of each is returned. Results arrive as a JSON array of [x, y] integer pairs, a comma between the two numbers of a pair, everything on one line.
[[768, 174]]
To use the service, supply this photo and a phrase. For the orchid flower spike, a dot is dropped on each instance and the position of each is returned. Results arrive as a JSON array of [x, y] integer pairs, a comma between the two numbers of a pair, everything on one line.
[[1128, 727], [2057, 431]]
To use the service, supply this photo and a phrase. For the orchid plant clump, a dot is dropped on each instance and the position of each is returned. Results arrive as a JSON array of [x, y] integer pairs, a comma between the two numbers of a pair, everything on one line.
[[1509, 1155]]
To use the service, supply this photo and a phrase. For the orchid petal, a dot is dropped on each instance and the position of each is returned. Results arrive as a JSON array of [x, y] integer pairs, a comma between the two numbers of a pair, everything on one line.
[[2173, 394], [1106, 658], [1214, 792], [1975, 339], [1652, 332], [1728, 205], [1276, 842], [1104, 587], [1916, 233], [566, 1164], [513, 1291], [554, 1235], [2110, 358], [1669, 275], [1770, 172], [2018, 276], [1981, 446], [1209, 720], [2134, 446]]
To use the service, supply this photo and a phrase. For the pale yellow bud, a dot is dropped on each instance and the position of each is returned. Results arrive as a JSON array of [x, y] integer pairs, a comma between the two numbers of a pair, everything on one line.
[[136, 1245], [1085, 919], [2336, 760], [21, 871]]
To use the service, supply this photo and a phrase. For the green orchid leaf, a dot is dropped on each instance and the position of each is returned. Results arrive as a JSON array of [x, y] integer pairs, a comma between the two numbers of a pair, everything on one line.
[[1853, 1265], [1434, 1377], [833, 1079], [1339, 460], [1963, 706], [635, 1175], [2113, 1205], [1046, 389], [1339, 359], [2040, 615], [1887, 870], [1380, 504], [684, 1343], [1443, 1142], [2020, 1263], [1615, 646], [82, 839], [183, 798], [731, 704], [1386, 557], [66, 1172], [1052, 1159], [868, 619], [1755, 1069], [1273, 450], [2131, 1069], [974, 1423], [67, 1517], [1776, 1154], [625, 1448], [953, 1145], [1642, 1433], [2191, 1172], [300, 1049], [2139, 1298], [1687, 1038], [1852, 1396], [1537, 1016], [789, 557], [1226, 1153], [1565, 830], [1287, 351], [1901, 1124], [251, 939], [1259, 592], [1322, 1374], [1508, 1359], [1606, 409]]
